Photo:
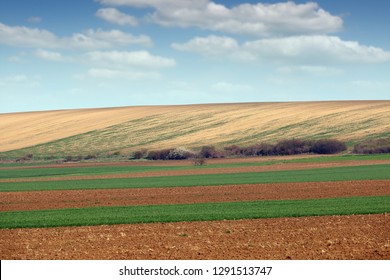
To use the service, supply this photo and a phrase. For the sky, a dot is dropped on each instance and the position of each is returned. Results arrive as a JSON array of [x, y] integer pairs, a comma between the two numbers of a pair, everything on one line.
[[106, 53]]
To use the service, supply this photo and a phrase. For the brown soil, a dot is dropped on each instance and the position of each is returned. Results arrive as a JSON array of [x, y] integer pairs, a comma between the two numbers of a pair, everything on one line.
[[328, 237], [15, 201], [224, 170]]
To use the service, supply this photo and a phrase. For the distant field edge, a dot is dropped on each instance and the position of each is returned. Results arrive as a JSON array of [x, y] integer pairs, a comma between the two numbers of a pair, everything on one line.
[[194, 212]]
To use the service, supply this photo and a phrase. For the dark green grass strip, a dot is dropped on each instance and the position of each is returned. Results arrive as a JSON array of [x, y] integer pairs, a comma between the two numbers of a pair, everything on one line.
[[369, 172], [195, 212]]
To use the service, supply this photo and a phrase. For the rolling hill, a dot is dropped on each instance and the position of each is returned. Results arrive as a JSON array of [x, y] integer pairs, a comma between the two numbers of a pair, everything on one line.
[[125, 129]]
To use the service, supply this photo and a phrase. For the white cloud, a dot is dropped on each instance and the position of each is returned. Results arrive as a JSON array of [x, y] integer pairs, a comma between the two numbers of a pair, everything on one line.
[[104, 73], [118, 38], [316, 49], [21, 36], [230, 87], [211, 45], [130, 59], [259, 19], [26, 37], [156, 3], [49, 55], [112, 15], [34, 19]]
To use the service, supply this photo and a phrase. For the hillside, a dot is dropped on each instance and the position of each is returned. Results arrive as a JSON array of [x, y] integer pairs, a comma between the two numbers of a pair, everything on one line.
[[125, 129]]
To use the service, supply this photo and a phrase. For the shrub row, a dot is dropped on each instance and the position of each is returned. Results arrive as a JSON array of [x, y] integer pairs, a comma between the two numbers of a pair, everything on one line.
[[288, 147], [284, 147], [25, 158], [165, 154], [377, 146]]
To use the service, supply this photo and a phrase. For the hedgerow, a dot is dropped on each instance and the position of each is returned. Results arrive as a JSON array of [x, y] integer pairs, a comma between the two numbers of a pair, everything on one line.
[[283, 147], [376, 146]]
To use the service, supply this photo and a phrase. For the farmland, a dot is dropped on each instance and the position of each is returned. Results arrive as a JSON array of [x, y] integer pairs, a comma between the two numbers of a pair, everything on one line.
[[307, 207], [127, 129], [71, 188]]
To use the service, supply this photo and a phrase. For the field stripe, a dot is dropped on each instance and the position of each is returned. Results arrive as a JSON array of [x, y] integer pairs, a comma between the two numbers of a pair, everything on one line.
[[195, 212], [109, 173], [36, 200], [369, 172]]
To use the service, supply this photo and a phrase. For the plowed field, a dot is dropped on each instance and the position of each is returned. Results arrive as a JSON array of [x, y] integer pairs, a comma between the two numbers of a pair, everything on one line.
[[328, 237], [14, 201]]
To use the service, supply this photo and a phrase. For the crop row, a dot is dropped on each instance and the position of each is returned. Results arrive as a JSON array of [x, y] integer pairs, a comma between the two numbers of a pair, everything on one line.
[[346, 173], [194, 212]]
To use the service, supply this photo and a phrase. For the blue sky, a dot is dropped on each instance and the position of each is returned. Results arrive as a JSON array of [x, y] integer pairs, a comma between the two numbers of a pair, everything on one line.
[[105, 53]]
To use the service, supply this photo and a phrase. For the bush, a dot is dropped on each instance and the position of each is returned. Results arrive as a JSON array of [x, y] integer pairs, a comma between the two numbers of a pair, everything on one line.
[[378, 146], [74, 159], [328, 146], [68, 158], [139, 154], [90, 156], [262, 149], [25, 158], [292, 147], [158, 154], [180, 153], [210, 152], [233, 150]]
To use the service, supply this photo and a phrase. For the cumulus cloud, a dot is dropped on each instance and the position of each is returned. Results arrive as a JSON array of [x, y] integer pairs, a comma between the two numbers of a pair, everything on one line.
[[21, 36], [211, 45], [130, 59], [118, 38], [112, 15], [311, 49], [318, 47], [259, 19]]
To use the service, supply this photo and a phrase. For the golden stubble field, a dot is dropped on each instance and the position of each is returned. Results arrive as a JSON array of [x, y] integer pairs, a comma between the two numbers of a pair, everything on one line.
[[130, 128]]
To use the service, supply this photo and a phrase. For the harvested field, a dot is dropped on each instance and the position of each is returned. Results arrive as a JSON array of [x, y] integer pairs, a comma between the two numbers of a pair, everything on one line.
[[37, 200], [126, 129], [361, 237]]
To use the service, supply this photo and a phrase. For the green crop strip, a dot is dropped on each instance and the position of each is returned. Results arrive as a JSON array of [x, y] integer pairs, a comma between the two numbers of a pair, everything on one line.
[[101, 170], [369, 172], [78, 171], [195, 212]]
